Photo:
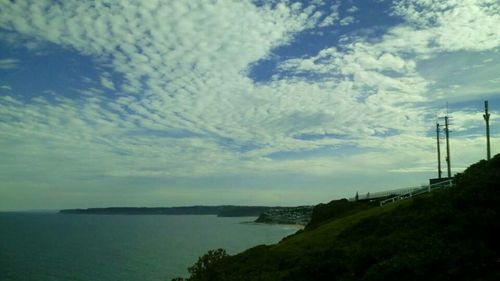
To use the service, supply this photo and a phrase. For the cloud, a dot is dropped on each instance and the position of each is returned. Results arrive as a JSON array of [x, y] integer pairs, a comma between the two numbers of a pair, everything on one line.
[[384, 75], [347, 21], [107, 83], [331, 18], [352, 9], [9, 63], [182, 65], [453, 25], [184, 106]]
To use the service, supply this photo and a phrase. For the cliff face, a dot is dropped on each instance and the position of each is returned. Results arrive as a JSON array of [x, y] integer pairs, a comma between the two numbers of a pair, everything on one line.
[[450, 234]]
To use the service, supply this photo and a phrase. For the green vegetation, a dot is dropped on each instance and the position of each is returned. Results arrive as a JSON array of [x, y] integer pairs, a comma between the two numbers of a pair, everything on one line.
[[207, 266], [451, 234], [221, 211], [336, 209]]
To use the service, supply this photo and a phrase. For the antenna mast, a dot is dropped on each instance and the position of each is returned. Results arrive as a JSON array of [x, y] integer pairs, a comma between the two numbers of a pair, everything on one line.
[[486, 116]]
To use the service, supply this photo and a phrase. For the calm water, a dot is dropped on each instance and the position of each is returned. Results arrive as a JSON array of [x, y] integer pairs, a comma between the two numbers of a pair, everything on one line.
[[46, 247]]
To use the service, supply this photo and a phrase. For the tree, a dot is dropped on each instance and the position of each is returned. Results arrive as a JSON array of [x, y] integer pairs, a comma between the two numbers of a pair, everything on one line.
[[205, 268]]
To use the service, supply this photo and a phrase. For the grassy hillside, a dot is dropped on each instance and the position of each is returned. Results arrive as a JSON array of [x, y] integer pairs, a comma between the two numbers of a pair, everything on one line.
[[452, 234]]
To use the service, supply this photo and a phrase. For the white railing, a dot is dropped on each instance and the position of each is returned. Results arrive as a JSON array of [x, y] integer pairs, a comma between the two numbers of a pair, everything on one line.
[[418, 191], [385, 193]]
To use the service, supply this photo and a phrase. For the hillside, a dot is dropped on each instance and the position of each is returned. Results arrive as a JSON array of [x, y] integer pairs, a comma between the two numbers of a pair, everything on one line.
[[221, 211], [451, 234]]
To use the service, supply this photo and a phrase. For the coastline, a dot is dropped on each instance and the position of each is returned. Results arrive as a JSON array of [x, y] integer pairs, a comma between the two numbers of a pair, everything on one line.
[[294, 225]]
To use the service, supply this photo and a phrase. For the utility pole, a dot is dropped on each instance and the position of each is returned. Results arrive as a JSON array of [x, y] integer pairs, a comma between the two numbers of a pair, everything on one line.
[[447, 132], [486, 116], [438, 150]]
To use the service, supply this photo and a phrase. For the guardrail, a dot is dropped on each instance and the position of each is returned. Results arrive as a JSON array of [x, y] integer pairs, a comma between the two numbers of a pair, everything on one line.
[[417, 191], [386, 193]]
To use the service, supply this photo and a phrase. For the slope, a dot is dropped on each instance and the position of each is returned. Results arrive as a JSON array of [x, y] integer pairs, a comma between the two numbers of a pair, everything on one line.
[[448, 235]]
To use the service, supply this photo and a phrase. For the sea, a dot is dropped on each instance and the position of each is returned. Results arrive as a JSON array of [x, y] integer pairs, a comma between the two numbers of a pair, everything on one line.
[[53, 247]]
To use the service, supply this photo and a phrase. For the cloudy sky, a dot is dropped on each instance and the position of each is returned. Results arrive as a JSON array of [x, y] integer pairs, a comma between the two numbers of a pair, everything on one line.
[[278, 102]]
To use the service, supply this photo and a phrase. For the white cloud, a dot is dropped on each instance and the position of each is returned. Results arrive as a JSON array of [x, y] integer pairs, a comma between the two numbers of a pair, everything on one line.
[[454, 25], [107, 83], [331, 18], [186, 107], [352, 9], [347, 21], [8, 63], [190, 56]]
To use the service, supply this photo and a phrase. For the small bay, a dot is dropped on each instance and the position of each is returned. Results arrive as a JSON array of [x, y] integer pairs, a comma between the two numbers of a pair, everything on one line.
[[44, 246]]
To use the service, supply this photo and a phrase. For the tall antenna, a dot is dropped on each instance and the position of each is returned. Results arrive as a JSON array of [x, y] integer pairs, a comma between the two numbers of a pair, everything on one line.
[[447, 132], [438, 150], [486, 116]]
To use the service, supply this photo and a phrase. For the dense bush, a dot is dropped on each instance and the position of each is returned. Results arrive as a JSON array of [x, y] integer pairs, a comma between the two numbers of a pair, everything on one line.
[[335, 209], [206, 268]]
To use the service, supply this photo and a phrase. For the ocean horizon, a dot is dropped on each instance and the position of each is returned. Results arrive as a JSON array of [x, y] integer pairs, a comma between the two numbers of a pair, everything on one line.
[[51, 246]]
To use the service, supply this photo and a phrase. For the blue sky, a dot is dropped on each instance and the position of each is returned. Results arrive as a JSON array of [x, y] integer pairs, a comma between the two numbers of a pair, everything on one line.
[[166, 103]]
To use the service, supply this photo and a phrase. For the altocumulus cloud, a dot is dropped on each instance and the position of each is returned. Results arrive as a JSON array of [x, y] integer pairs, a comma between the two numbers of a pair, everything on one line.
[[186, 106]]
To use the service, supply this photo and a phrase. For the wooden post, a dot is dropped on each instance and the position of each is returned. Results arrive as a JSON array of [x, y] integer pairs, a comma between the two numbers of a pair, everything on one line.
[[438, 150], [447, 132], [486, 116]]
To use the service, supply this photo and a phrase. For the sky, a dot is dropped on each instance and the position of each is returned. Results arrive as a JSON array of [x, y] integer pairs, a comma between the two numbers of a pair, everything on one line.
[[247, 102]]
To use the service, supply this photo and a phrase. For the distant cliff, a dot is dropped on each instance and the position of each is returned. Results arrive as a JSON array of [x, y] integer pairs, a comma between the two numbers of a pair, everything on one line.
[[287, 215], [221, 211]]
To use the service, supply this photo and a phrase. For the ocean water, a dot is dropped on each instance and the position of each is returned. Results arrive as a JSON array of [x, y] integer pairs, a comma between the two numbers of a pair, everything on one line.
[[52, 247]]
